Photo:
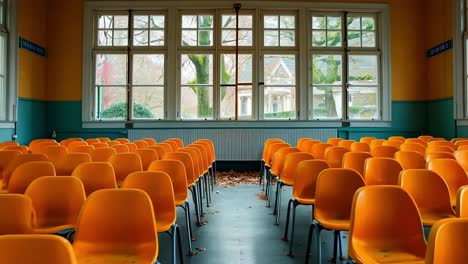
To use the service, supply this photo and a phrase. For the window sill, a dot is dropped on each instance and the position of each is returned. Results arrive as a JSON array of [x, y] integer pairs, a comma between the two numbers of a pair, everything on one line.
[[7, 124]]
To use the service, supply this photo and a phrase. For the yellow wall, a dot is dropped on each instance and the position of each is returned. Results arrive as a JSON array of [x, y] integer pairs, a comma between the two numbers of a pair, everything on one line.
[[65, 36], [408, 47], [440, 67], [32, 74]]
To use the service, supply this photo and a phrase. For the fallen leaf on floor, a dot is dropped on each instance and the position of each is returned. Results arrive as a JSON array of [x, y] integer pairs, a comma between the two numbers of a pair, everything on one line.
[[232, 178], [262, 196]]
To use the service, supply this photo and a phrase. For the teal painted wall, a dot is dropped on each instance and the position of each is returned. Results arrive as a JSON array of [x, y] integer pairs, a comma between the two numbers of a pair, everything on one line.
[[32, 120], [440, 120], [6, 134]]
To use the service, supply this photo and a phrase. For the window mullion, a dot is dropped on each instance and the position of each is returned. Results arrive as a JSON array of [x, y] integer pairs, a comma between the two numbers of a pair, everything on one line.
[[345, 72], [129, 67]]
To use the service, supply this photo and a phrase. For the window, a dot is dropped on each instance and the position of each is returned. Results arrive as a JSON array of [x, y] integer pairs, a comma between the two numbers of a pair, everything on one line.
[[129, 66], [345, 72], [3, 62], [299, 61]]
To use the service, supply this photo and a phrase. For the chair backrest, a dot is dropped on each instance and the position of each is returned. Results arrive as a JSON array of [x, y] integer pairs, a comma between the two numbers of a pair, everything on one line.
[[461, 207], [360, 147], [122, 140], [209, 149], [82, 149], [23, 149], [447, 242], [68, 163], [210, 143], [77, 143], [147, 155], [132, 147], [176, 170], [206, 162], [55, 153], [91, 141], [7, 156], [439, 155], [437, 148], [17, 214], [99, 232], [288, 173], [381, 171], [40, 147], [35, 144], [196, 158], [100, 145], [141, 144], [57, 200], [462, 142], [18, 160], [188, 162], [384, 151], [67, 141], [159, 150], [151, 141], [395, 144], [452, 173], [434, 197], [410, 159], [172, 144], [166, 146], [158, 186], [27, 172], [267, 144], [124, 164], [299, 142], [367, 140], [425, 138], [440, 143], [179, 142], [307, 172], [355, 161], [307, 145], [273, 148], [396, 138], [421, 149], [279, 158], [121, 148], [334, 156], [462, 158], [334, 193], [50, 249], [95, 176], [318, 150], [334, 141], [102, 154], [346, 143], [386, 217], [113, 143], [416, 141], [103, 139], [376, 142]]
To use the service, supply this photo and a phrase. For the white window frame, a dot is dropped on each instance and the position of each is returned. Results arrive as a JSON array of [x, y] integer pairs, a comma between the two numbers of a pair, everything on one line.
[[460, 69], [172, 99]]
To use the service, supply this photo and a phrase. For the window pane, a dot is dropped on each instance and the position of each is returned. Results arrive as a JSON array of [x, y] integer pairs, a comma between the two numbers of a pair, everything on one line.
[[189, 21], [148, 102], [140, 22], [334, 38], [189, 37], [111, 102], [327, 102], [327, 69], [2, 99], [354, 23], [148, 69], [105, 38], [205, 38], [354, 38], [319, 39], [318, 22], [368, 39], [363, 103], [106, 22], [197, 102], [270, 22], [140, 38], [205, 21], [244, 102], [333, 23], [157, 38], [287, 38], [121, 22], [120, 37], [229, 38], [270, 38], [368, 23], [280, 102], [228, 68], [363, 69], [279, 69], [111, 69], [157, 22], [287, 22]]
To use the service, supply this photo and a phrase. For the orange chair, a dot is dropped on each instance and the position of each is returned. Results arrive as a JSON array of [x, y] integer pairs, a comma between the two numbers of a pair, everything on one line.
[[287, 177], [179, 142], [384, 151], [172, 144], [54, 153], [381, 171], [334, 141], [447, 242], [355, 161], [151, 141], [376, 142], [91, 141], [438, 155], [421, 149], [77, 143], [425, 138], [278, 160], [48, 249], [158, 186], [3, 145], [305, 181], [167, 147], [416, 141], [132, 239], [121, 148], [272, 149], [299, 142], [461, 208], [141, 144], [7, 156], [21, 148], [122, 140], [463, 147], [307, 144], [17, 161], [334, 194], [205, 154], [360, 147], [396, 138], [113, 143], [266, 149], [82, 149], [102, 154], [213, 157], [67, 141], [346, 143], [318, 150], [147, 155], [124, 164], [410, 159], [42, 146], [159, 150], [176, 170], [132, 147], [95, 176], [367, 140], [452, 173], [27, 172], [395, 144], [17, 214], [103, 139], [433, 201], [334, 156], [385, 227], [440, 143], [66, 165], [462, 142], [461, 156], [57, 201], [36, 144], [436, 148], [100, 145]]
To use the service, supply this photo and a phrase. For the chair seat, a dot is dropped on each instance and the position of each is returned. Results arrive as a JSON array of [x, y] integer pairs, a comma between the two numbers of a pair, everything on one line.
[[180, 198], [305, 201], [388, 254], [288, 182], [164, 225], [335, 224], [129, 258], [429, 218]]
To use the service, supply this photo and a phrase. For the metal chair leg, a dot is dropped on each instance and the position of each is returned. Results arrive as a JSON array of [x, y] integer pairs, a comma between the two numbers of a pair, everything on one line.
[[279, 188], [174, 243], [196, 202], [309, 242], [291, 241], [286, 228]]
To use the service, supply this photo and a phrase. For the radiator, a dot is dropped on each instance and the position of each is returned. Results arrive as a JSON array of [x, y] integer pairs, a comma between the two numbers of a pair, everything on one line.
[[244, 144]]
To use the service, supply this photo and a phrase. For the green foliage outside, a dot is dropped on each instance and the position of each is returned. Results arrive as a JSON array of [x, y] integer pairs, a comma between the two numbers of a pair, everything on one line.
[[119, 111]]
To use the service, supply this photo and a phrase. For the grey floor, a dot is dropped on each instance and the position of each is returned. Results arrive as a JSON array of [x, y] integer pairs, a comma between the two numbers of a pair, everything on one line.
[[240, 229]]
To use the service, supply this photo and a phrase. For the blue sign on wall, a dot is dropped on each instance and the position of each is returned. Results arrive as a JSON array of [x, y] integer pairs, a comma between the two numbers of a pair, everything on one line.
[[34, 48], [440, 48]]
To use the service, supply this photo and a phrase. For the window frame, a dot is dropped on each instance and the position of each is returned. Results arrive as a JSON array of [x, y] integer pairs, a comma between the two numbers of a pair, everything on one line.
[[172, 95], [460, 60]]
